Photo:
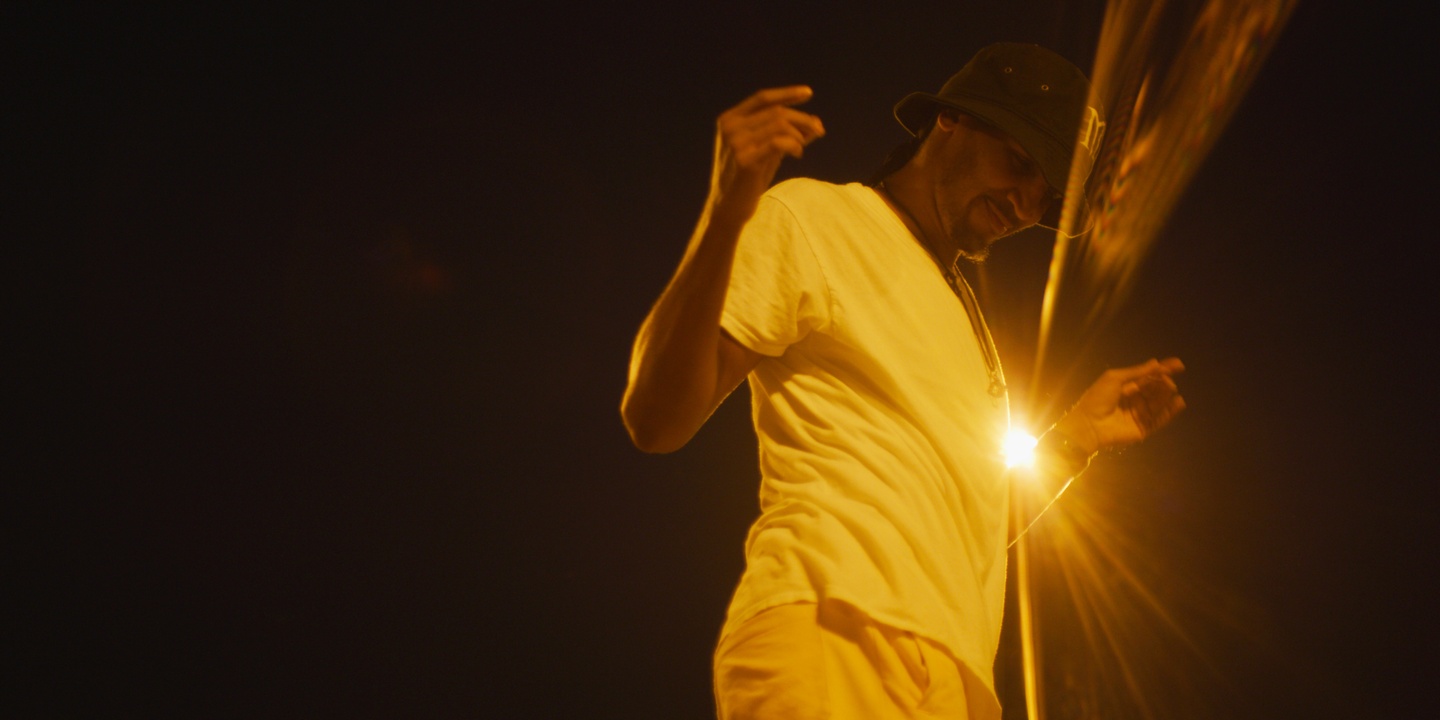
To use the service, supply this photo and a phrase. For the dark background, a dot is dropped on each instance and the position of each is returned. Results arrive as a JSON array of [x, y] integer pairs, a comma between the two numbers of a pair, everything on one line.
[[320, 322]]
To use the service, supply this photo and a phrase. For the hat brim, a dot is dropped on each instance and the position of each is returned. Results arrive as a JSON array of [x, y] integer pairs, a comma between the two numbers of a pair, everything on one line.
[[917, 109]]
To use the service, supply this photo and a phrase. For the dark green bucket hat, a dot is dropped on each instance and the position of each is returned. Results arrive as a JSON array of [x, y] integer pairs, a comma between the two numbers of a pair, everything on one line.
[[1038, 97]]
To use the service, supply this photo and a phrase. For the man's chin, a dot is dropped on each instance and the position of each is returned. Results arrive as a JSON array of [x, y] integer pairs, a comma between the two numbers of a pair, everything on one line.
[[976, 252], [976, 258], [976, 249]]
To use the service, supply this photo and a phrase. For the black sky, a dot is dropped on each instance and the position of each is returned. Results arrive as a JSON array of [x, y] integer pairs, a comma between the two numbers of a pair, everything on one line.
[[323, 320]]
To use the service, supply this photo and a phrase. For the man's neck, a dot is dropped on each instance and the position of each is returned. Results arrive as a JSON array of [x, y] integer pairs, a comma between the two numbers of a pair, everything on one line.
[[907, 200]]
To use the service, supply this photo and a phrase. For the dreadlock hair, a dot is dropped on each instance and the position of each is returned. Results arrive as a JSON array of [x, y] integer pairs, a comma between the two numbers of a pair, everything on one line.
[[901, 154]]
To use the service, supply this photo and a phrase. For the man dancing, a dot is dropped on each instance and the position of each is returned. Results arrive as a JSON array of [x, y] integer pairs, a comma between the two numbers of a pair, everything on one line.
[[875, 573]]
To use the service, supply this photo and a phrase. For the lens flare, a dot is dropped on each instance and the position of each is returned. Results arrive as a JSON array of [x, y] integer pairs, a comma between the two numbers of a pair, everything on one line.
[[1169, 76], [1018, 449]]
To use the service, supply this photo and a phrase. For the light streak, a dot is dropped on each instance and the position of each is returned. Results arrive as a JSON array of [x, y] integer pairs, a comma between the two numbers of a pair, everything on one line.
[[1169, 76], [1019, 449], [1116, 609], [1028, 630]]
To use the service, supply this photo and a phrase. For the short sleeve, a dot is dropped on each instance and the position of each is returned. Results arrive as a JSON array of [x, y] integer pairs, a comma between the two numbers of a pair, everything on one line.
[[777, 293]]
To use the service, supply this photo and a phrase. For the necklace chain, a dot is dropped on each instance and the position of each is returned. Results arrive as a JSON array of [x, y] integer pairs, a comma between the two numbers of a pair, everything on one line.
[[962, 289]]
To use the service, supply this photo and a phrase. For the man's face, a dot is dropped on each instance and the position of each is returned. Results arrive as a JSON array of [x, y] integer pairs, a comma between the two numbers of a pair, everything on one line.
[[986, 186]]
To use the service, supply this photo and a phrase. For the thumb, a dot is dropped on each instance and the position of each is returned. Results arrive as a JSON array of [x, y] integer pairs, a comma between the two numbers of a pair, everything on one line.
[[1128, 377]]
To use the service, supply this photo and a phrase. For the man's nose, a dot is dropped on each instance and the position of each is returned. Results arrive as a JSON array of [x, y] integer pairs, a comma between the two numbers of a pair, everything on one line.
[[1030, 199]]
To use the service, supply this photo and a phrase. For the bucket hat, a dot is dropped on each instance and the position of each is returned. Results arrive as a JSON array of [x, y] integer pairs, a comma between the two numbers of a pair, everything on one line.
[[1038, 97]]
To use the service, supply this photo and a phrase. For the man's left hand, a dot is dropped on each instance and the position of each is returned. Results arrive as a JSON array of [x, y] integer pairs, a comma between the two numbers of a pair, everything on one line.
[[1125, 406]]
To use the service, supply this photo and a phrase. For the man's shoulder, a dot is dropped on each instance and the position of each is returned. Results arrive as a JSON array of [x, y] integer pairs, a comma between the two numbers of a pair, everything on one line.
[[831, 217], [804, 187], [802, 194]]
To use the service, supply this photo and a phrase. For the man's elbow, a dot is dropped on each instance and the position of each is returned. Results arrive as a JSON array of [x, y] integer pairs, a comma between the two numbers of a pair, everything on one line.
[[653, 443], [649, 433]]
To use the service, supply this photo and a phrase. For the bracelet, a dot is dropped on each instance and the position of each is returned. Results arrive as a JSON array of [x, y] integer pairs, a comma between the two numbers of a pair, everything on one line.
[[1075, 457]]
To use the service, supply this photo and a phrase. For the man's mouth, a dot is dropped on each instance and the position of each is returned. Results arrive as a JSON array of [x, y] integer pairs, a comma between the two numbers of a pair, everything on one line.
[[1002, 223]]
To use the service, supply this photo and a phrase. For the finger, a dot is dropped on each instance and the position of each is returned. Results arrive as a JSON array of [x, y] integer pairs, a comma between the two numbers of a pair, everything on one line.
[[1126, 377], [1153, 396], [1161, 415], [1161, 408], [1154, 390], [761, 150], [788, 95], [757, 143], [778, 119], [770, 149], [808, 125], [1157, 384]]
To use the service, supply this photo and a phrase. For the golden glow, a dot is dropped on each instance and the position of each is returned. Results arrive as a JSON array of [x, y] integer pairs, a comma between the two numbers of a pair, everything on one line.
[[1169, 76], [1018, 448]]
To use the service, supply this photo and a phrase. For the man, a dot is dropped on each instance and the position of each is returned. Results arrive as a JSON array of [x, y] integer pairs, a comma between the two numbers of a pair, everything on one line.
[[875, 573]]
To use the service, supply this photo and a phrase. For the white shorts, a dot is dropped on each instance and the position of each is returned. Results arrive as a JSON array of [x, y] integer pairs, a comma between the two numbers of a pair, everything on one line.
[[804, 661]]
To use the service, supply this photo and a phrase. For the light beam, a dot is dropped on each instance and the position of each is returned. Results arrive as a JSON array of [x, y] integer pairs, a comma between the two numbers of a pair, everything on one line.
[[1168, 75]]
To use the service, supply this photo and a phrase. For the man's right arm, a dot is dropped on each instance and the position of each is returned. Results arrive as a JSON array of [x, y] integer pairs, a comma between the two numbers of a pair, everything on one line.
[[683, 365]]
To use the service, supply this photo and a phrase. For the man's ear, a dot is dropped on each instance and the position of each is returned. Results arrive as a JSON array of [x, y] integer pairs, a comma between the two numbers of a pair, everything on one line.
[[947, 120]]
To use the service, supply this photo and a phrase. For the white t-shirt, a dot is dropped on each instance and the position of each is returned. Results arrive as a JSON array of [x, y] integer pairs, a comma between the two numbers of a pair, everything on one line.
[[882, 482]]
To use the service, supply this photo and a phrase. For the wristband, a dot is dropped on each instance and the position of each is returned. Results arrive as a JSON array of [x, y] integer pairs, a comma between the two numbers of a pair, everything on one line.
[[1076, 459]]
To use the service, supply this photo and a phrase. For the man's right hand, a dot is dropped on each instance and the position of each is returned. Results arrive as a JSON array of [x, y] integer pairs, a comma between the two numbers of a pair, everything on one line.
[[683, 365], [750, 141]]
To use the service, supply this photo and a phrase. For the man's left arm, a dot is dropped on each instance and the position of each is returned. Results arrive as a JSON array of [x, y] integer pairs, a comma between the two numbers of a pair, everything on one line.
[[1122, 407]]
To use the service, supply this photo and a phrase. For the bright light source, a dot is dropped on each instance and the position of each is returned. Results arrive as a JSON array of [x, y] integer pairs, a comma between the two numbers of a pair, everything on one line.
[[1018, 448]]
